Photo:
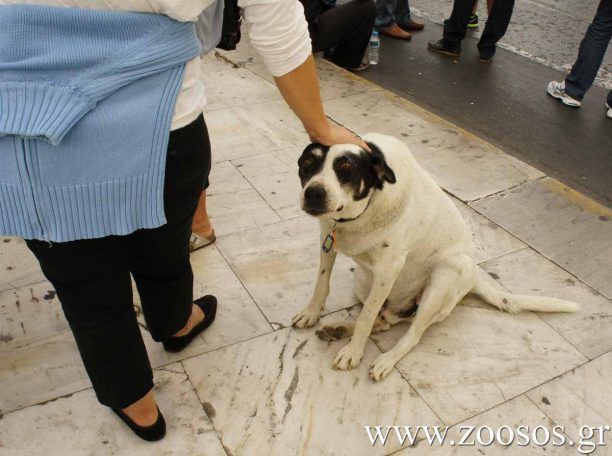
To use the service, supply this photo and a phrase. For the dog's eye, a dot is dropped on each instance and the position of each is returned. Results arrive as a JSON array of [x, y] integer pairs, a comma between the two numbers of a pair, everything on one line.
[[307, 163], [345, 165]]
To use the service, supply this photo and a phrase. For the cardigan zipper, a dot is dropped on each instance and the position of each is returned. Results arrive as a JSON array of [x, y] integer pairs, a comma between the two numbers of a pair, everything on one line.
[[30, 185]]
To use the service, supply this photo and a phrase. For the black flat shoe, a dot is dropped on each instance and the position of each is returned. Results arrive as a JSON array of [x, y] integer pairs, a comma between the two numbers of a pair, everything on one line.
[[152, 433], [442, 47], [208, 304]]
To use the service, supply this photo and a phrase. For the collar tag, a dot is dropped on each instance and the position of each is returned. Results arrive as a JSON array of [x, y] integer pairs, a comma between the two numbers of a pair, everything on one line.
[[329, 242]]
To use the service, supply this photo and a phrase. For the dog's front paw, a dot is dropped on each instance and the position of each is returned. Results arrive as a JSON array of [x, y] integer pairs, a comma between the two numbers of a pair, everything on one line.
[[382, 366], [348, 357], [306, 318]]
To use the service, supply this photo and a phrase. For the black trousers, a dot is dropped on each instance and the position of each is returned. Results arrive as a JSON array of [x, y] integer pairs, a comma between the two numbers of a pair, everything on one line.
[[344, 31], [92, 279], [495, 29], [592, 50]]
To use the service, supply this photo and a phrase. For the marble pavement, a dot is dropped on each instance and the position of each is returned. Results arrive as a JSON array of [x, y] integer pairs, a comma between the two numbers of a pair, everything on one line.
[[252, 385]]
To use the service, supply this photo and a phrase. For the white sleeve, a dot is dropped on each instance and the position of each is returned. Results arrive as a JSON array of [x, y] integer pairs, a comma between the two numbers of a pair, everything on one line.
[[180, 10], [279, 33]]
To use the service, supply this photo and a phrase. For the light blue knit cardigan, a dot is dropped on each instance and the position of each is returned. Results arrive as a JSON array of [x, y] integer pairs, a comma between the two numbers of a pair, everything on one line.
[[86, 103]]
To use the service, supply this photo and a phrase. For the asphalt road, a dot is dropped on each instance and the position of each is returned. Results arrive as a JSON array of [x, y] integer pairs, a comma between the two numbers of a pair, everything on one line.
[[506, 102], [548, 31]]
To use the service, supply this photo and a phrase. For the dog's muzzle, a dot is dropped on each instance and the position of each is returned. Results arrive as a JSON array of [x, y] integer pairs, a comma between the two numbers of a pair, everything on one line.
[[315, 200]]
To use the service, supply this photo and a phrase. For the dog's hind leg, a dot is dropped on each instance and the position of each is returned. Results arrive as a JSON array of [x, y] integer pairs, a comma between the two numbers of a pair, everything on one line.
[[385, 273], [448, 284]]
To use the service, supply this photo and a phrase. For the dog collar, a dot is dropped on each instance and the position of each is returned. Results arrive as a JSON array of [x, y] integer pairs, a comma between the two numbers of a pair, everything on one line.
[[330, 240], [344, 220]]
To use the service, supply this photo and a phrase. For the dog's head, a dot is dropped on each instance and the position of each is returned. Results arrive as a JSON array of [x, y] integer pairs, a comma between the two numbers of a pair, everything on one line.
[[338, 181]]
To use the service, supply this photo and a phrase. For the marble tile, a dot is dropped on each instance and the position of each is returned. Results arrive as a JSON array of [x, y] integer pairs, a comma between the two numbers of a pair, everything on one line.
[[228, 85], [18, 266], [278, 266], [582, 397], [526, 272], [233, 136], [490, 240], [29, 312], [334, 81], [245, 54], [480, 357], [380, 112], [43, 369], [519, 411], [462, 164], [225, 178], [338, 83], [277, 394], [276, 181], [78, 424], [276, 122], [563, 225], [469, 168], [239, 211], [238, 317]]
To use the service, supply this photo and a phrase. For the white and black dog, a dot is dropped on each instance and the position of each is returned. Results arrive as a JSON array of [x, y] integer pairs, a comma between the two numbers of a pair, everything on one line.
[[413, 250]]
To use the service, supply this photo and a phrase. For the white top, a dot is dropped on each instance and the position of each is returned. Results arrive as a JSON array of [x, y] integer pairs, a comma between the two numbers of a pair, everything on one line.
[[279, 33]]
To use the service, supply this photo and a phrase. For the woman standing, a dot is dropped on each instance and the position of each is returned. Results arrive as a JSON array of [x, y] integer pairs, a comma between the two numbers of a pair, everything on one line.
[[103, 151]]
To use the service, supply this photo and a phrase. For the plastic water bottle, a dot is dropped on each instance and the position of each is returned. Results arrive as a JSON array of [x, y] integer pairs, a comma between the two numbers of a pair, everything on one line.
[[374, 47]]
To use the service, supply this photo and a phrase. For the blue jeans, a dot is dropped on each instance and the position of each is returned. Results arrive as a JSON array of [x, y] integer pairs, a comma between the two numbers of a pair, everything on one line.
[[591, 54], [389, 12]]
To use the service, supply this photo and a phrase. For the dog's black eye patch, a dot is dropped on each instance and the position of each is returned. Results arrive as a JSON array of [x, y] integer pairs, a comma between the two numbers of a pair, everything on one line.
[[311, 161], [345, 169], [354, 171]]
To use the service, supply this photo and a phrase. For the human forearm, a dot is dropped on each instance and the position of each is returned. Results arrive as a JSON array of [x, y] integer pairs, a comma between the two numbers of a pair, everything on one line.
[[300, 89]]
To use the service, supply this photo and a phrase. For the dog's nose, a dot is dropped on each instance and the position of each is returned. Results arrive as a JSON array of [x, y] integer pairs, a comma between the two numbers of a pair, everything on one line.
[[315, 195]]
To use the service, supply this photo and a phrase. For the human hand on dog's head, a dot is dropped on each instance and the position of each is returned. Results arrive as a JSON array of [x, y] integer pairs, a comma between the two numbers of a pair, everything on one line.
[[337, 134]]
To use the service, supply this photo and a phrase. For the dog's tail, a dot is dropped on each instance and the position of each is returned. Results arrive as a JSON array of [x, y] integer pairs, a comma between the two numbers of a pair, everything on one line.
[[514, 303]]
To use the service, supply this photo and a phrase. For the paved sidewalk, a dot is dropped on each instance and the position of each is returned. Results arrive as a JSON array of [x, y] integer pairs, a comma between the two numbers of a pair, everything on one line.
[[251, 385]]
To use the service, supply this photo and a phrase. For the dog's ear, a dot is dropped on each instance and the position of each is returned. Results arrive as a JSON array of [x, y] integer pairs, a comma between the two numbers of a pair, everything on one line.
[[380, 166]]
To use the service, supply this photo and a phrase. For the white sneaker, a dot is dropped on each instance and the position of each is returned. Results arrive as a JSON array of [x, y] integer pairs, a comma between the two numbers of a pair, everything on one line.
[[609, 113], [557, 90]]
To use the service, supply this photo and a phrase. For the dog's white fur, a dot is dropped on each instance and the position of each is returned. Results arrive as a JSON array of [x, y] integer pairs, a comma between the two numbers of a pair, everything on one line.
[[411, 244]]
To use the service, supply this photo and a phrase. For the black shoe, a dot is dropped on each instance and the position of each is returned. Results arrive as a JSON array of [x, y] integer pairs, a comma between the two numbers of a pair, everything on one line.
[[442, 47], [152, 433], [485, 59], [473, 22], [208, 304]]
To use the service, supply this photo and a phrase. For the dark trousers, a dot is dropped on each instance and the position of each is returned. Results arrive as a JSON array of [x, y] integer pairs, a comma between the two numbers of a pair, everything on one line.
[[344, 31], [592, 50], [92, 279], [497, 24], [389, 12]]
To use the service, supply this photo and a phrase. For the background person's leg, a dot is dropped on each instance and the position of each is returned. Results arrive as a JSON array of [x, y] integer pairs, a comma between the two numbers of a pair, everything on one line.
[[402, 12], [455, 25], [592, 50], [385, 10], [94, 287], [159, 258], [495, 29], [347, 29]]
